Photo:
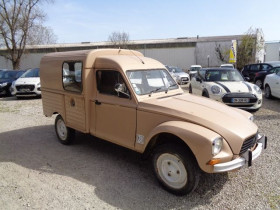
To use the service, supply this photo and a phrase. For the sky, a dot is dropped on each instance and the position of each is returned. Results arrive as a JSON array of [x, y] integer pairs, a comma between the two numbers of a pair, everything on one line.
[[75, 21]]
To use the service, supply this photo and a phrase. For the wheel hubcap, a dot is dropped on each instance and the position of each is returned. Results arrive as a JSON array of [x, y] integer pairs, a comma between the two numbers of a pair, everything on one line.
[[61, 129], [171, 170]]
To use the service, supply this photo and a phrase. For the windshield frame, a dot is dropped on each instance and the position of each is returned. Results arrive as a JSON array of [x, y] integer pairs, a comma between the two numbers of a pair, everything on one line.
[[151, 89]]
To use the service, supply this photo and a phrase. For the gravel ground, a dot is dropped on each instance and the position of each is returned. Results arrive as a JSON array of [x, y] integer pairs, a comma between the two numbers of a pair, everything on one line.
[[37, 172]]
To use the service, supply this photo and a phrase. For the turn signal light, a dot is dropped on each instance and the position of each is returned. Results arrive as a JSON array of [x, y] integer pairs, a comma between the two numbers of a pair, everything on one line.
[[214, 161]]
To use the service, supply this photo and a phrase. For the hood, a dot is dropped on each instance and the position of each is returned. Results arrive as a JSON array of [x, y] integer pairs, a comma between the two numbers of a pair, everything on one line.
[[6, 80], [30, 80], [232, 124], [235, 87]]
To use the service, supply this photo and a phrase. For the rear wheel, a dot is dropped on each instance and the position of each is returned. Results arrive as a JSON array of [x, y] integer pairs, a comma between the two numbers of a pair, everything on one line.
[[65, 134], [176, 169], [267, 92]]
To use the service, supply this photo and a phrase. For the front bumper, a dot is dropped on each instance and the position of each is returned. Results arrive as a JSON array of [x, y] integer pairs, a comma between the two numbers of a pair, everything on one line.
[[245, 159], [27, 90]]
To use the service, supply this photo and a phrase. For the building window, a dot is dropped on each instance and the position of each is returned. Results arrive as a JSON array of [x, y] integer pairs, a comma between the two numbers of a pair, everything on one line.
[[72, 76]]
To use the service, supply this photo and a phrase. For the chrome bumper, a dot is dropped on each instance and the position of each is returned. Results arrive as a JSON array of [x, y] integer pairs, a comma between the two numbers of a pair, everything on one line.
[[245, 160]]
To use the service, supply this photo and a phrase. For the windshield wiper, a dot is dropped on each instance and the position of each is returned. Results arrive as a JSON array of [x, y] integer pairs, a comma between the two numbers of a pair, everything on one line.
[[167, 89], [153, 91]]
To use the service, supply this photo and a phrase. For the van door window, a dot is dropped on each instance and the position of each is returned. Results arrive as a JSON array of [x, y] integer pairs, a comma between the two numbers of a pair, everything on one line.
[[72, 76], [109, 80]]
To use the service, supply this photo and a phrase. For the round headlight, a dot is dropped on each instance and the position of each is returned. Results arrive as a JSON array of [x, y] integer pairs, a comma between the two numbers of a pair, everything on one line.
[[257, 89], [217, 145], [216, 89]]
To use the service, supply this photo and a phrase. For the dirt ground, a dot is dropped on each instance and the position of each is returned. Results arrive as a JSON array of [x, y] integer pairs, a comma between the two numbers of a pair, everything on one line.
[[37, 172]]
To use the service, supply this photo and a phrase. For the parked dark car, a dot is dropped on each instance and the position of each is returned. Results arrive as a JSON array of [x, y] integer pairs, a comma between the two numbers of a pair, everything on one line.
[[6, 79], [257, 72]]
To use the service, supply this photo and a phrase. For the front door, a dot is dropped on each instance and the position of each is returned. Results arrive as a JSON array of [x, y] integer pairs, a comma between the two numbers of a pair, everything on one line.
[[115, 112]]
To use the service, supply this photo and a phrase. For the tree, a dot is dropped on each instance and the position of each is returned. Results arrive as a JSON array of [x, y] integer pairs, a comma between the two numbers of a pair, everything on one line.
[[18, 19], [222, 53], [119, 39], [249, 46], [41, 35]]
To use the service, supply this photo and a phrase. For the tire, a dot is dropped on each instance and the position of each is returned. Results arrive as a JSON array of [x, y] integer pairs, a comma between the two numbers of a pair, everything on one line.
[[259, 83], [190, 88], [64, 134], [267, 92], [205, 94], [176, 169]]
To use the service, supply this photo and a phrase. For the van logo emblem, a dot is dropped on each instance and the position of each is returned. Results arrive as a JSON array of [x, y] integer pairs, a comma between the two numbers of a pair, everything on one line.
[[140, 139]]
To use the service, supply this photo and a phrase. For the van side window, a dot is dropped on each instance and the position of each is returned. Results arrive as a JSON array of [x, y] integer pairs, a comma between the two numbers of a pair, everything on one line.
[[107, 81], [72, 76]]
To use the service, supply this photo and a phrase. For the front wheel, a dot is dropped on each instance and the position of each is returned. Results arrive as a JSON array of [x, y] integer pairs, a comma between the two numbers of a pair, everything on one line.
[[190, 88], [176, 169], [267, 92], [65, 134]]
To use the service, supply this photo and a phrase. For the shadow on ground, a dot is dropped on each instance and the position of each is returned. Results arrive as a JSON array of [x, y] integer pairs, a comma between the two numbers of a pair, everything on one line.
[[119, 176]]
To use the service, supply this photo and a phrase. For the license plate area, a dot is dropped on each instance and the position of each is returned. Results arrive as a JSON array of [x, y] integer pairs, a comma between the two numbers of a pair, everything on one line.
[[240, 100], [24, 90]]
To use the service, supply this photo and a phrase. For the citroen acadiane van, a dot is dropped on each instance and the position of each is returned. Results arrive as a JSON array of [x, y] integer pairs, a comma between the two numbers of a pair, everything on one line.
[[133, 101]]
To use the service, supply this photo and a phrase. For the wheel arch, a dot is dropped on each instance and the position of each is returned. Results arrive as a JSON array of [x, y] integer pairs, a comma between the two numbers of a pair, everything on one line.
[[194, 138]]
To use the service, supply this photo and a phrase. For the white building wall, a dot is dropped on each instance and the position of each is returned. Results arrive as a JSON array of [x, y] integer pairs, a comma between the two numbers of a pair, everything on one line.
[[28, 61], [182, 57], [272, 51]]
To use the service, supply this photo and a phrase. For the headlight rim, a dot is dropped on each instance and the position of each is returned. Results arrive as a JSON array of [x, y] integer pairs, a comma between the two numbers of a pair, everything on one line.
[[217, 145], [217, 91]]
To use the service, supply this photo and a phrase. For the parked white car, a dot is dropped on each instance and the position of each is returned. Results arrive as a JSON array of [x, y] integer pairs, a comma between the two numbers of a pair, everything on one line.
[[179, 75], [193, 70], [28, 84], [272, 84], [227, 86]]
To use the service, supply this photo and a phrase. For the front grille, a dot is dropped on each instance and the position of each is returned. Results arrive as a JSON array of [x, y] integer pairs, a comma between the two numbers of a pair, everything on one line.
[[228, 97], [25, 87], [248, 143]]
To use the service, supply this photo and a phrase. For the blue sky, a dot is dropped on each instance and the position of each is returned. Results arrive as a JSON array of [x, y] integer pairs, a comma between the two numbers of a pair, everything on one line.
[[91, 21]]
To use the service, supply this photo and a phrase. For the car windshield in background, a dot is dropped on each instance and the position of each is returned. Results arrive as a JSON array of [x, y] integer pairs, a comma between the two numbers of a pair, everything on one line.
[[194, 68], [31, 73], [223, 75], [148, 81], [8, 74], [174, 69]]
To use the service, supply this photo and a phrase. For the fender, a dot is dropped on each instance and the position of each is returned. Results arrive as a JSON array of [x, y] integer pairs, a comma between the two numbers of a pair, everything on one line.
[[197, 138]]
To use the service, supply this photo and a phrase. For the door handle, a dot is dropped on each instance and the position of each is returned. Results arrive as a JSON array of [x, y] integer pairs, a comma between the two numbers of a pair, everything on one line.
[[97, 102], [72, 102]]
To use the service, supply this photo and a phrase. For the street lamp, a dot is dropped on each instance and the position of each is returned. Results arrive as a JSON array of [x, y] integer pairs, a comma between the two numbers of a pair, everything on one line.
[[208, 56]]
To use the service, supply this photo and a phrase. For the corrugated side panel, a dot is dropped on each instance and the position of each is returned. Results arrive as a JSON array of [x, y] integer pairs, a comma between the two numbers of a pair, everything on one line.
[[52, 103], [75, 112]]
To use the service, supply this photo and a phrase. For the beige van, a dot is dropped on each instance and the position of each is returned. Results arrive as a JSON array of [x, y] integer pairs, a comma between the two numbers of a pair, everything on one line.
[[133, 101]]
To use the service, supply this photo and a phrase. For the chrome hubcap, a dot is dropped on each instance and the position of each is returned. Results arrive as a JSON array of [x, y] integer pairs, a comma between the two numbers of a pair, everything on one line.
[[172, 171], [61, 129], [267, 91]]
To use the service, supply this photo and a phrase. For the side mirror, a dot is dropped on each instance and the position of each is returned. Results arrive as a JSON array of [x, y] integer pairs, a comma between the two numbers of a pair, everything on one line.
[[120, 88]]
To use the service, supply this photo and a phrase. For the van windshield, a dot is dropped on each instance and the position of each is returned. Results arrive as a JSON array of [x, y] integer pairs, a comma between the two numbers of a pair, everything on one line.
[[152, 80]]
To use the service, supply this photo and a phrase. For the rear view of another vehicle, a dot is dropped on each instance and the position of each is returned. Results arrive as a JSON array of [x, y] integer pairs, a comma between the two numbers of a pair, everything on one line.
[[28, 85], [179, 75]]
